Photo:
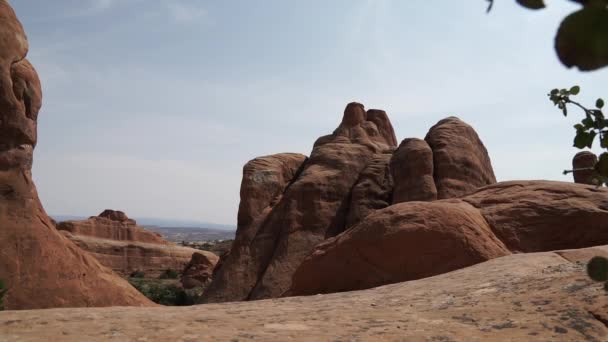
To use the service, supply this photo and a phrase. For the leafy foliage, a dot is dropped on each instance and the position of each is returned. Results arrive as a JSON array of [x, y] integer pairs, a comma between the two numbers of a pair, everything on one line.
[[3, 291], [162, 292], [169, 274], [582, 38], [137, 274], [593, 125], [597, 269]]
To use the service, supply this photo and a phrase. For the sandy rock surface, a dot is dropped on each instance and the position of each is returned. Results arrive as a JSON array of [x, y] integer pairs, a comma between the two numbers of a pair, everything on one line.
[[524, 297]]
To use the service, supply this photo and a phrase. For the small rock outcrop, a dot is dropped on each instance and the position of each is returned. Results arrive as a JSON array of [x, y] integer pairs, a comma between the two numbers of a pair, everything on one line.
[[413, 240], [583, 164], [118, 243], [40, 267], [536, 216], [403, 242], [199, 271], [461, 162], [412, 170]]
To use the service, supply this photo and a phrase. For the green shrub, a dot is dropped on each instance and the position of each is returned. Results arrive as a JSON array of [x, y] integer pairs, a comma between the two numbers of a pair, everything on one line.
[[162, 293], [137, 274], [169, 274], [3, 291]]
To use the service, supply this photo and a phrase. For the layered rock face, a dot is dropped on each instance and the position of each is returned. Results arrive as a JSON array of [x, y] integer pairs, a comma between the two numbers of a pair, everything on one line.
[[118, 243], [460, 160], [313, 206], [402, 242], [412, 169], [199, 270], [414, 240], [112, 225], [361, 213], [41, 268]]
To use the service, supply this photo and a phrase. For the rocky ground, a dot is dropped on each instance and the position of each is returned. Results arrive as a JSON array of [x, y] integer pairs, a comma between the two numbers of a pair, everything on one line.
[[522, 297]]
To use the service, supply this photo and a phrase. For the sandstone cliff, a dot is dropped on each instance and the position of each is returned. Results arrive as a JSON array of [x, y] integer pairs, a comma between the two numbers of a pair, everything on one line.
[[41, 268], [118, 243]]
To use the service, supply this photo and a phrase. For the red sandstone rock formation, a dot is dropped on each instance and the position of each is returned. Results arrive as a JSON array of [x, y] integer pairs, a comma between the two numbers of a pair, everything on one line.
[[41, 268], [536, 216], [405, 241], [412, 240], [583, 164], [372, 191], [412, 171], [460, 160], [118, 243], [112, 225], [199, 270], [265, 180], [313, 207]]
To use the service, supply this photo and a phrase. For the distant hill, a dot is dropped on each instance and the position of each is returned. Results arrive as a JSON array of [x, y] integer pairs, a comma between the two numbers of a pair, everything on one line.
[[163, 223], [192, 234]]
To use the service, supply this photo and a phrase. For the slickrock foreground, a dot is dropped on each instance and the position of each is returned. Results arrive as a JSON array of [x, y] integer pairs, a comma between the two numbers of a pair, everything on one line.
[[524, 297]]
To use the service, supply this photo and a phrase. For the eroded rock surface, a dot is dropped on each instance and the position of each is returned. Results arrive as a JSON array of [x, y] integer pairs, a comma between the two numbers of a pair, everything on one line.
[[460, 160], [264, 182], [403, 242], [535, 216], [412, 240], [583, 164], [522, 297], [312, 208], [372, 191], [112, 225], [41, 268], [199, 270], [118, 243], [412, 170]]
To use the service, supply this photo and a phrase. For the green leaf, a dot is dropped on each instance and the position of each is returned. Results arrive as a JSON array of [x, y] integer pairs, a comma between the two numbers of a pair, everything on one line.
[[575, 90], [597, 269], [602, 165], [599, 104], [532, 4], [582, 39], [554, 92], [579, 127], [604, 141], [584, 139], [588, 123]]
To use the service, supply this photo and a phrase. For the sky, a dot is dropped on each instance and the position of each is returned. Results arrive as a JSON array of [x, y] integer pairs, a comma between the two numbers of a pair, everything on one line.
[[154, 106]]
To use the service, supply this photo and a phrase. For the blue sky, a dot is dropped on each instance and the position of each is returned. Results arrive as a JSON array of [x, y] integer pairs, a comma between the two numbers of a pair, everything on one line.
[[154, 106]]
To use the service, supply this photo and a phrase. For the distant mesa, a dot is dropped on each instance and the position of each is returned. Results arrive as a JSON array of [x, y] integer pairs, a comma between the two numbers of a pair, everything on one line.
[[118, 243], [115, 215]]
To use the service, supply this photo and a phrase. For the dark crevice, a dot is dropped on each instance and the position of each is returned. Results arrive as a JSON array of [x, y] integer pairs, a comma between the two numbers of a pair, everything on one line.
[[599, 318]]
